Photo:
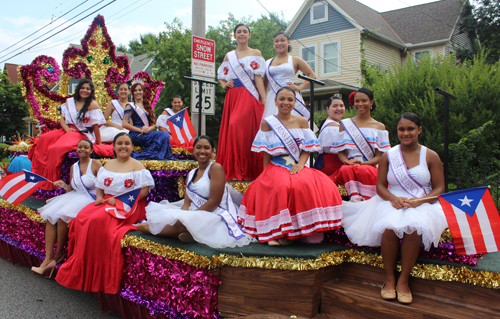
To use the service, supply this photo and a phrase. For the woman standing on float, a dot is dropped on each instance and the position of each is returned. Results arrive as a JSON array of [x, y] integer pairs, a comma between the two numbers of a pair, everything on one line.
[[407, 212], [115, 109], [359, 148], [281, 71], [241, 74], [155, 145]]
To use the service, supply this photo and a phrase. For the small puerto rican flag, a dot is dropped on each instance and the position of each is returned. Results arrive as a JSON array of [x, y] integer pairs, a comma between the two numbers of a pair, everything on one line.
[[181, 128], [125, 204], [473, 220], [15, 188]]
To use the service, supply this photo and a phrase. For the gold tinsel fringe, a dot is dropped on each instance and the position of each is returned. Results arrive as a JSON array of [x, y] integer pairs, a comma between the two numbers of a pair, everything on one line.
[[26, 148], [181, 186], [154, 165], [240, 186], [31, 214], [19, 148]]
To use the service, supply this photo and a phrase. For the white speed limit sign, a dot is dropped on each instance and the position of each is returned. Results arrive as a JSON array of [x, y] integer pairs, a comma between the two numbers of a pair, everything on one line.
[[207, 98]]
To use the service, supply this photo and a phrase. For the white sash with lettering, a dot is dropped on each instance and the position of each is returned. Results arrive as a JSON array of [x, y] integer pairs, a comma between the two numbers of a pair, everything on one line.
[[118, 108], [358, 138], [73, 115], [400, 171], [77, 179], [300, 107], [142, 114], [169, 111], [285, 136], [245, 79], [229, 216]]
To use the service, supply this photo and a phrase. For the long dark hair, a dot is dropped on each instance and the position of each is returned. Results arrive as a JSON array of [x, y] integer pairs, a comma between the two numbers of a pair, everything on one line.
[[147, 107], [86, 104]]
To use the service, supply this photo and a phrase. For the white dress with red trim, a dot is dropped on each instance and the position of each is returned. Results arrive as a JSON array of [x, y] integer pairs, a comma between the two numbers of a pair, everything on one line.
[[108, 133], [278, 204], [240, 123], [359, 181], [328, 162], [364, 222]]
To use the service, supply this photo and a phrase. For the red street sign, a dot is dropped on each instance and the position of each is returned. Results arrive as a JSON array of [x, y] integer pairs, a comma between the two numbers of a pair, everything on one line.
[[203, 57]]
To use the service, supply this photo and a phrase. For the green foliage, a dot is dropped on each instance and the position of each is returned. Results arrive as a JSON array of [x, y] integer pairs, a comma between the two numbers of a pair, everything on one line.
[[3, 151], [12, 107]]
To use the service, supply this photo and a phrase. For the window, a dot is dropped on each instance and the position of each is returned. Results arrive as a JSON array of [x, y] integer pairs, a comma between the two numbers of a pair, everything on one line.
[[309, 55], [331, 57], [319, 13], [72, 88], [420, 54]]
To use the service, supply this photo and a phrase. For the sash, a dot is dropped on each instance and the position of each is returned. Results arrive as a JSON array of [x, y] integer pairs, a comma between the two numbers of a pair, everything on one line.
[[118, 108], [358, 138], [77, 179], [142, 114], [285, 136], [169, 111], [300, 107], [325, 124], [228, 216], [73, 115], [398, 167], [245, 79]]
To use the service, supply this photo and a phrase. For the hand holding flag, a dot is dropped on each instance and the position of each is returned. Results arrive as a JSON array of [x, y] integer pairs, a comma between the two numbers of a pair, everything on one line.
[[125, 204]]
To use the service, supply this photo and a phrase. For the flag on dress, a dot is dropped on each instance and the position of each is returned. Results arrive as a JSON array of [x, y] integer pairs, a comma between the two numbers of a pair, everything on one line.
[[473, 220], [15, 188], [125, 204], [181, 127]]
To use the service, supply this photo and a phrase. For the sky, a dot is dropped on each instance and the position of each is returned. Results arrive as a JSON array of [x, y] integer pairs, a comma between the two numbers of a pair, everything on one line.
[[125, 20]]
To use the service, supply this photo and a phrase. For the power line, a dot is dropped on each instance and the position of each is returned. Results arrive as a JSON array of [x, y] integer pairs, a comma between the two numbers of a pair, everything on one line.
[[59, 31]]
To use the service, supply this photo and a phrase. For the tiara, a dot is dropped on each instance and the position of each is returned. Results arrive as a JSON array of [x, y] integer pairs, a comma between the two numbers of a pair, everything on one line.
[[138, 81]]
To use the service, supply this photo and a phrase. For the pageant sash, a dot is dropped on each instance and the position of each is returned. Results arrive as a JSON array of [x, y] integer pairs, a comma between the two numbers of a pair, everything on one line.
[[400, 171], [142, 114], [118, 108], [73, 115], [325, 124], [229, 216], [285, 136], [169, 111], [243, 76], [77, 179], [358, 138], [300, 107]]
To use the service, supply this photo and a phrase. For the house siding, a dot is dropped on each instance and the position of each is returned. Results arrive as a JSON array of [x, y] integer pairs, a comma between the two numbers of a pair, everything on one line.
[[458, 41], [381, 54], [336, 22]]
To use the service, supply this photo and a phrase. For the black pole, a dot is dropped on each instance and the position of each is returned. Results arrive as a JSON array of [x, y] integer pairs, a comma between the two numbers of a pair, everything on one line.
[[200, 97], [311, 101], [446, 124]]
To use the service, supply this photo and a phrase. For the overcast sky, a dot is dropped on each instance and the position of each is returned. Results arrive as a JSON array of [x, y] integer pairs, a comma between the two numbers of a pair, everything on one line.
[[126, 19]]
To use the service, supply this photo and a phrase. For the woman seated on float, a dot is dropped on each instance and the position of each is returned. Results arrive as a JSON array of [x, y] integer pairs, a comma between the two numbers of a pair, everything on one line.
[[115, 109], [80, 118], [162, 124], [61, 209], [359, 148], [207, 214], [155, 145], [327, 162], [408, 211], [288, 200], [95, 260]]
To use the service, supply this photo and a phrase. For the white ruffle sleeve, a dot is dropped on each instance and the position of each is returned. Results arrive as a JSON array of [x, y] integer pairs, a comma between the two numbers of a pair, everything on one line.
[[118, 183], [327, 137], [253, 65], [94, 117], [378, 139], [162, 121], [270, 143]]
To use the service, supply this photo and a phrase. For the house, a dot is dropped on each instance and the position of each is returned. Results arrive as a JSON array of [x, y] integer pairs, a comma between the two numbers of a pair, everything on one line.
[[11, 70], [330, 36]]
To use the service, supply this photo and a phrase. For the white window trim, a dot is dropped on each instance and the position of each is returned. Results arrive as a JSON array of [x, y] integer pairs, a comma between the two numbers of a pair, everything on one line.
[[339, 48], [431, 52], [315, 54], [312, 15], [72, 88]]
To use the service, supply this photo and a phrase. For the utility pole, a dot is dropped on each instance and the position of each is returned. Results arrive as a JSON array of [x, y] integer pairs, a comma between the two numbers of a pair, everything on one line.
[[198, 29]]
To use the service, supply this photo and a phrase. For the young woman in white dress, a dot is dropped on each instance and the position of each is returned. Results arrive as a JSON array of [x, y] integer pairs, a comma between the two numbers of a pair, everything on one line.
[[409, 214], [281, 70], [207, 213], [115, 109], [61, 209], [177, 104]]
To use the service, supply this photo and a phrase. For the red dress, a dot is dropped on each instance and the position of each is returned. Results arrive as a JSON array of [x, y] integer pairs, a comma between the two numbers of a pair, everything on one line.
[[95, 260], [240, 123], [278, 204], [331, 162]]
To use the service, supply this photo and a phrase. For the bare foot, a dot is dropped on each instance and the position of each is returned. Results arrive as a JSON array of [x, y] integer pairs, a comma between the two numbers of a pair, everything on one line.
[[273, 243], [144, 228]]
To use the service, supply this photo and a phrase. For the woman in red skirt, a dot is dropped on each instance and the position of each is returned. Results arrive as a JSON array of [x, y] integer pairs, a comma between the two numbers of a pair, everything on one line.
[[241, 74], [327, 162], [80, 118], [95, 260], [359, 148], [288, 200]]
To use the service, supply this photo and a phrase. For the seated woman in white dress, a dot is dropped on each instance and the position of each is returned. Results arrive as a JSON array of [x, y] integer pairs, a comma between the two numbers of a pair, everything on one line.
[[161, 122], [115, 109], [61, 209], [207, 214], [406, 211]]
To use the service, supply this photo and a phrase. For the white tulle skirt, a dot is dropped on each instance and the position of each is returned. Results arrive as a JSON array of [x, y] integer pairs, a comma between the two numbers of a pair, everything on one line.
[[108, 133], [65, 206], [206, 227], [364, 222]]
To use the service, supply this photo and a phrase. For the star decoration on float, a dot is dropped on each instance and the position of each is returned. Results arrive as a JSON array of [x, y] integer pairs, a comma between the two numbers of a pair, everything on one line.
[[466, 201]]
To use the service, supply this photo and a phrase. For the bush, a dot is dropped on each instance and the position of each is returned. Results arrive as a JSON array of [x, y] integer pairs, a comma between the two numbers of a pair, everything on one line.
[[3, 151]]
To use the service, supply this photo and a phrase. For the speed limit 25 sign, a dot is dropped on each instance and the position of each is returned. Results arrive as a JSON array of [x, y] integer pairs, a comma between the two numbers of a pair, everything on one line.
[[207, 98]]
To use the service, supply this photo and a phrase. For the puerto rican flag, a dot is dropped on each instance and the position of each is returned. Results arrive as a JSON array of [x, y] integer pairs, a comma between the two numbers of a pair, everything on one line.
[[473, 220], [15, 188], [125, 204], [181, 127]]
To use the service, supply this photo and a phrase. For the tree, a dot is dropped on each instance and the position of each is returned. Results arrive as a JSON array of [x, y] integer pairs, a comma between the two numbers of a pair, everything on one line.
[[144, 44], [12, 107], [121, 48]]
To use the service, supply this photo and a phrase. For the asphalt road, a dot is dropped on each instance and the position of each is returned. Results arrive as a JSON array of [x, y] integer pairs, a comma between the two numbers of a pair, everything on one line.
[[24, 294]]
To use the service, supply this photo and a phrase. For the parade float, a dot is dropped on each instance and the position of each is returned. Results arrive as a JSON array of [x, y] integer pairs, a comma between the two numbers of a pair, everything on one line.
[[164, 278]]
